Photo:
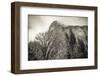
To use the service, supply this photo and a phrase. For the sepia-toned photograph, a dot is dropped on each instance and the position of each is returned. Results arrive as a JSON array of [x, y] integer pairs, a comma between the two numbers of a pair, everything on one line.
[[57, 37]]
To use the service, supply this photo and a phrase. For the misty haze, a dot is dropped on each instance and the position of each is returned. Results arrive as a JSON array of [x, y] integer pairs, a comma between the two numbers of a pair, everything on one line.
[[57, 37]]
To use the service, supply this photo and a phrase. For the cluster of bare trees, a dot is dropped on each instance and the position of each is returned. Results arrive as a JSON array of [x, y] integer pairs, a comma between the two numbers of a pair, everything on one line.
[[59, 44], [39, 47]]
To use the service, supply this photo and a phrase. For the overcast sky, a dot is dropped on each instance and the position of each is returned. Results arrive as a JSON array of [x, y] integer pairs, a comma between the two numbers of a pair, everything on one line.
[[38, 24]]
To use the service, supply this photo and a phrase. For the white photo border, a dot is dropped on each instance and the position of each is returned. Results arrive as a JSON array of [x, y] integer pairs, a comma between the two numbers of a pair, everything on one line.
[[25, 64]]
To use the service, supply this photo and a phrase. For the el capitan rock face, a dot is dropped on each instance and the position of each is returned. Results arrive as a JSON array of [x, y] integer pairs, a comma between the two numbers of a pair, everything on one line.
[[60, 42], [57, 49]]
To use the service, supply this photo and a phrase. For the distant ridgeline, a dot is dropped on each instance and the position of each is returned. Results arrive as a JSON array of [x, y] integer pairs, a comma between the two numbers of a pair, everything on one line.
[[60, 42]]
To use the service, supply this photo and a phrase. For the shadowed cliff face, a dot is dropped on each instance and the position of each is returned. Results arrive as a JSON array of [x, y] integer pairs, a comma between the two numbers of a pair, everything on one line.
[[60, 42]]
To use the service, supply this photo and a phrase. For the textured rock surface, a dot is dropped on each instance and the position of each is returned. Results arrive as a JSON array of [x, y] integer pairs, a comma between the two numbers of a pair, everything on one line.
[[57, 49], [60, 42]]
